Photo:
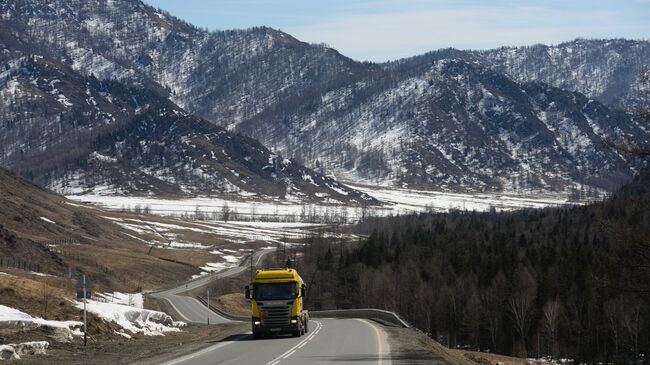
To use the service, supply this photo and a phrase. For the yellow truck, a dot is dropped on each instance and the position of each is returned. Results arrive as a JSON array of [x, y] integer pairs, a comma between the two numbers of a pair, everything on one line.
[[277, 298]]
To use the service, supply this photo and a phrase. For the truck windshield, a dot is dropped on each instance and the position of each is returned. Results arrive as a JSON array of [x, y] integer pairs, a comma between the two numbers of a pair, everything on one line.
[[275, 291]]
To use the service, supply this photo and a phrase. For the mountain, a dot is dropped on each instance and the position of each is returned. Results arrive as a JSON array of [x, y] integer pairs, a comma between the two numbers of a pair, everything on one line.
[[458, 125], [76, 132], [225, 77], [607, 70], [513, 119]]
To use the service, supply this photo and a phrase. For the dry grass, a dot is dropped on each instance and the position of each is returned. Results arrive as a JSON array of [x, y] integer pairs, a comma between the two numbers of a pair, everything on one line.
[[45, 297], [494, 359], [410, 346], [235, 304], [38, 296]]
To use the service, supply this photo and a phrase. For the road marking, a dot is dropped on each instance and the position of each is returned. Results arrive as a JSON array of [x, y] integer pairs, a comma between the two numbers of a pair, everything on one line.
[[205, 350], [292, 350], [176, 309], [289, 354], [378, 339]]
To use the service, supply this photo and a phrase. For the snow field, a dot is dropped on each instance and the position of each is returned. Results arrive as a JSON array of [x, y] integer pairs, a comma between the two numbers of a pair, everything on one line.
[[393, 201]]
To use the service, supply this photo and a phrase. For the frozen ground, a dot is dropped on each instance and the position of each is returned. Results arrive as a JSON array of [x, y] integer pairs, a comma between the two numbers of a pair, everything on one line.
[[225, 243], [393, 201], [400, 201], [171, 235]]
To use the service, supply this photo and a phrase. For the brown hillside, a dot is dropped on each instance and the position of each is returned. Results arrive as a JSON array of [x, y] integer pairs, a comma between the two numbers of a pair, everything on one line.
[[73, 239]]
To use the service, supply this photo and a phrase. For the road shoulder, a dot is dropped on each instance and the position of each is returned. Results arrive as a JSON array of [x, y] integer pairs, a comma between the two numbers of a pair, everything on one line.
[[411, 346], [146, 350]]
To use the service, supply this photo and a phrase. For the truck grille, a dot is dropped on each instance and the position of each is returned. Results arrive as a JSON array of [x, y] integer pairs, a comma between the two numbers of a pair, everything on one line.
[[277, 315]]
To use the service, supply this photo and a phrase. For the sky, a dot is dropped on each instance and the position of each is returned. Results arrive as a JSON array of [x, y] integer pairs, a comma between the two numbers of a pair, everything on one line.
[[383, 30]]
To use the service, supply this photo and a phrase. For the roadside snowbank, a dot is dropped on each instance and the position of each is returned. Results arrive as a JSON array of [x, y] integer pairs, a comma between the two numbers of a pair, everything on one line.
[[15, 351], [13, 318], [133, 319]]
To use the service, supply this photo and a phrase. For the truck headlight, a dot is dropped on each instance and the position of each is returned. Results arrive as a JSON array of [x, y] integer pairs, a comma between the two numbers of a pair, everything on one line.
[[294, 321], [257, 323]]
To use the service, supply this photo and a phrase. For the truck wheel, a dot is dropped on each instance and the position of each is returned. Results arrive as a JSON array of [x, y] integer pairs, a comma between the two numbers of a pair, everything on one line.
[[306, 326], [257, 335], [296, 333]]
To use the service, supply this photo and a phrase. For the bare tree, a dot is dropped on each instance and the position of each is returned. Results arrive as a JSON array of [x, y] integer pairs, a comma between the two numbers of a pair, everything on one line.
[[632, 322], [613, 316], [471, 317], [492, 303], [520, 306], [550, 322], [225, 212]]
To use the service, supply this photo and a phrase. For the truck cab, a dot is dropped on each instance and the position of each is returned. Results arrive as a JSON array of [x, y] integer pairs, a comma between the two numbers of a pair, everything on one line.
[[277, 297]]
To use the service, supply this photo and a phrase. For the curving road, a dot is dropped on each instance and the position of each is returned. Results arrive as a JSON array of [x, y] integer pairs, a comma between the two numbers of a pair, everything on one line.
[[189, 308], [328, 340], [341, 341]]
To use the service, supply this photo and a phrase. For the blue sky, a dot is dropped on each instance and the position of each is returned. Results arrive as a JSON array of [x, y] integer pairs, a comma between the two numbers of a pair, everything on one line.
[[381, 30]]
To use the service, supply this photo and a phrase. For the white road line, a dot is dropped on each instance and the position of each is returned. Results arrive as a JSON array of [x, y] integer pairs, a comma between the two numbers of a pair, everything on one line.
[[205, 350], [289, 354], [176, 309], [292, 350]]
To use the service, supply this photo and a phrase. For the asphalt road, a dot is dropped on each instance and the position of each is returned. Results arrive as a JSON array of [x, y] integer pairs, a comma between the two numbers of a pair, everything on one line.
[[341, 341], [190, 309]]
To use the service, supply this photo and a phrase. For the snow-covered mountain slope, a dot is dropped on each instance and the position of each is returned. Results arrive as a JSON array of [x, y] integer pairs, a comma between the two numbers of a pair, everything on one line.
[[448, 119], [609, 71], [78, 134], [458, 125], [226, 77]]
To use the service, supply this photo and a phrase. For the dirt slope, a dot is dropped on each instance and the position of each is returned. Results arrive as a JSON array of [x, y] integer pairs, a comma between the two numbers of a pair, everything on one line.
[[44, 232]]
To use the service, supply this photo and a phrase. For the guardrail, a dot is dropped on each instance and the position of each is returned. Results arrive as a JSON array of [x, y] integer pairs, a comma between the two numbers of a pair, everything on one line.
[[367, 313]]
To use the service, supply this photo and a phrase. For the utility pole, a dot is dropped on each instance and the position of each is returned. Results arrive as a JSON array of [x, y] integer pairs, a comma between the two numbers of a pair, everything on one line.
[[252, 267], [85, 322], [208, 305]]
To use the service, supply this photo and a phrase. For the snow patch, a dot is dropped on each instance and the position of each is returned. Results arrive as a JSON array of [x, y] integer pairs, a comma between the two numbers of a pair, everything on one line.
[[133, 319], [13, 318], [48, 220]]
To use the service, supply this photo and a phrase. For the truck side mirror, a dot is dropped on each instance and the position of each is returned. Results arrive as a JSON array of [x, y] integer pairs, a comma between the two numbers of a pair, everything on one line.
[[303, 290], [248, 292]]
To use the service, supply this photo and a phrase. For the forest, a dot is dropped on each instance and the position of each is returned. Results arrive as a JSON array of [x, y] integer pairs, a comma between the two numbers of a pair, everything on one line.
[[569, 282]]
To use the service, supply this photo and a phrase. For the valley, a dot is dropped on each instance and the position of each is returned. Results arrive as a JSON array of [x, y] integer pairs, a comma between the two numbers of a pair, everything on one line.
[[390, 201], [462, 206]]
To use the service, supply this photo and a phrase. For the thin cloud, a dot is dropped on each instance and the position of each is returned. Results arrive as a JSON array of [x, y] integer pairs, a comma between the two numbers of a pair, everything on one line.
[[385, 36], [380, 30]]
